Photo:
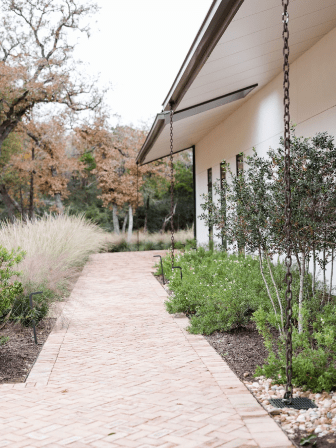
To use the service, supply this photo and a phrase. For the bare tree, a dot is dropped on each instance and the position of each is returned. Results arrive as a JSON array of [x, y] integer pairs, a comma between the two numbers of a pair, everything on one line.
[[36, 61]]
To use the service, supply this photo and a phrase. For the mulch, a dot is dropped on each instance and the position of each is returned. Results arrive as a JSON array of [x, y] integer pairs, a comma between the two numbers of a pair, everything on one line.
[[18, 355], [242, 348]]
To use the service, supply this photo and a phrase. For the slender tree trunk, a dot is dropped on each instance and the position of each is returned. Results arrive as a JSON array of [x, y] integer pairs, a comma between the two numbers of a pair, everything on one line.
[[116, 227], [124, 224], [59, 203], [302, 275], [145, 224], [266, 284], [331, 273], [31, 197], [276, 291], [298, 261], [11, 205], [314, 269], [324, 271], [31, 192], [57, 196], [130, 224], [146, 216], [21, 206]]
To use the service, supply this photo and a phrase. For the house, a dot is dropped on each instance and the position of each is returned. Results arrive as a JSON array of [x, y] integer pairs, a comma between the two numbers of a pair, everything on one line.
[[228, 95]]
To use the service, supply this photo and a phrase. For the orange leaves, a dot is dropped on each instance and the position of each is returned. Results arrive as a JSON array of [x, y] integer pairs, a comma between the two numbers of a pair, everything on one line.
[[115, 151], [36, 59], [45, 155]]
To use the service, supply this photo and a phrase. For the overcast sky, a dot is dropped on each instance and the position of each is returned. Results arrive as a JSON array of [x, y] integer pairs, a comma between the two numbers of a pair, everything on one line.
[[138, 46]]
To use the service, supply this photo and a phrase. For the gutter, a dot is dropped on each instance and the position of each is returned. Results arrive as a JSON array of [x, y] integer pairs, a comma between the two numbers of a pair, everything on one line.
[[217, 20]]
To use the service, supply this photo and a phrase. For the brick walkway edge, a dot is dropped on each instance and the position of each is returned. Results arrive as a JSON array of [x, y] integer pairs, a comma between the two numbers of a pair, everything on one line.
[[119, 371]]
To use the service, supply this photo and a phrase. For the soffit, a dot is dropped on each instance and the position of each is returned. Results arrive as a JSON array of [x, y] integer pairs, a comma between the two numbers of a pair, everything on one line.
[[249, 52], [252, 45]]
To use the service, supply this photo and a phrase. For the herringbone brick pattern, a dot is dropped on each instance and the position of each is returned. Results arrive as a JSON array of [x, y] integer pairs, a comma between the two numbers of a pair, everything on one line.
[[118, 371]]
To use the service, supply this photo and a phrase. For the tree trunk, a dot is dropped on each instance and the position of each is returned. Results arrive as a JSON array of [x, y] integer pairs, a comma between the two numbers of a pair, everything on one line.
[[31, 192], [23, 217], [10, 204], [266, 284], [324, 271], [302, 275], [146, 216], [331, 273], [57, 196], [116, 227], [314, 270], [31, 198], [59, 203], [130, 223], [124, 224], [276, 292]]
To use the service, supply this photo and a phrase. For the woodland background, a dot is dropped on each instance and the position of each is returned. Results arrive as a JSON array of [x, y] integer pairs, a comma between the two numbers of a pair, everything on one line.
[[58, 151]]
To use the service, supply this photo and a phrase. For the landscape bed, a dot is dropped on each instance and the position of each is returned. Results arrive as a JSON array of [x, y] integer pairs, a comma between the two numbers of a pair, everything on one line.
[[225, 299], [19, 353], [243, 350]]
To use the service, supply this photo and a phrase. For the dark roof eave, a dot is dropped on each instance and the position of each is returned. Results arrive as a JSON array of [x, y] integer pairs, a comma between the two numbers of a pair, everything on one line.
[[151, 138], [216, 28], [219, 23]]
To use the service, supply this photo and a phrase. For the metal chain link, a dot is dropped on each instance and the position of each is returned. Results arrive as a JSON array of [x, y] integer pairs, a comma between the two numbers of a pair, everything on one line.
[[288, 227], [171, 184]]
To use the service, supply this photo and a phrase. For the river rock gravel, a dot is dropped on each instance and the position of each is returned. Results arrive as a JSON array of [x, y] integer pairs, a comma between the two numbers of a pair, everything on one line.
[[320, 421]]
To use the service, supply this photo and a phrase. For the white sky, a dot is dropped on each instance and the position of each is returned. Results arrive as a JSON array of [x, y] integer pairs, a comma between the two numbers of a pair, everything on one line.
[[138, 46]]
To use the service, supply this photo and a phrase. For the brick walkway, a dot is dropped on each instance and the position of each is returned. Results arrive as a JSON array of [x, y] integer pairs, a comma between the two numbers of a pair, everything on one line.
[[124, 373]]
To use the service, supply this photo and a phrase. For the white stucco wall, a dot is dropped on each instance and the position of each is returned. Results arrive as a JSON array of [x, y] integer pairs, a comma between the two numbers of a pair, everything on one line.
[[259, 121]]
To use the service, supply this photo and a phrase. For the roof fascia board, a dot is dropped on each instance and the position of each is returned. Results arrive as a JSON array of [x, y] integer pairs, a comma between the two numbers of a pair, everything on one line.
[[151, 138], [216, 22], [163, 157]]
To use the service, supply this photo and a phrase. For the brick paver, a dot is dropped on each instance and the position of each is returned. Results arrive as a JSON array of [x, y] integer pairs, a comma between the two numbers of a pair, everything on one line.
[[118, 371]]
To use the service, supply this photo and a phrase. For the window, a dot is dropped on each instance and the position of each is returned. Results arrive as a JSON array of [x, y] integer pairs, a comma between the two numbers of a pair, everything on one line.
[[222, 172], [222, 169], [210, 182], [240, 169], [210, 197], [239, 163]]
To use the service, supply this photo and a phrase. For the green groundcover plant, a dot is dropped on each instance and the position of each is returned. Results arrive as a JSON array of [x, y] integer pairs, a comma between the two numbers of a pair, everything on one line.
[[218, 291]]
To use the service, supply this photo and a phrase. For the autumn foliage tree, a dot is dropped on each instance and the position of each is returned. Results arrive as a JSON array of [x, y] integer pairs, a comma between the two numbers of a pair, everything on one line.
[[42, 167], [118, 176], [36, 61]]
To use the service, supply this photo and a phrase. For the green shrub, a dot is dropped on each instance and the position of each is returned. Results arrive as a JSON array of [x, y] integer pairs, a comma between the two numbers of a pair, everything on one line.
[[218, 291], [9, 289], [314, 350], [221, 292]]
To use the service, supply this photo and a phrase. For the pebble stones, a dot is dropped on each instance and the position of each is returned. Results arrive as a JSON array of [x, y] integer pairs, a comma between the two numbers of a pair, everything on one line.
[[320, 421]]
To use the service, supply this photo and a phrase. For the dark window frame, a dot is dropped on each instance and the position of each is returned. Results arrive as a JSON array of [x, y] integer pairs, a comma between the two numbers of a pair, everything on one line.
[[239, 163], [222, 170], [209, 181]]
